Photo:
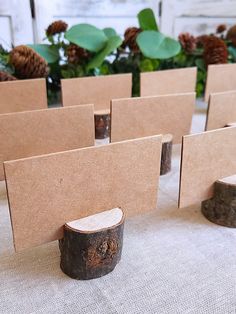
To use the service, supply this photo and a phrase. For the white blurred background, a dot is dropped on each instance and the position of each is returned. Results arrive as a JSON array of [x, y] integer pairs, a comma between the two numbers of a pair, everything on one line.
[[25, 21]]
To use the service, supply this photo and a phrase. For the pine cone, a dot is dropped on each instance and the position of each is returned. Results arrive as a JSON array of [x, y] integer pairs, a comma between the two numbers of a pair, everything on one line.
[[76, 54], [4, 76], [231, 35], [188, 42], [56, 28], [200, 40], [215, 51], [221, 28], [130, 35], [27, 63]]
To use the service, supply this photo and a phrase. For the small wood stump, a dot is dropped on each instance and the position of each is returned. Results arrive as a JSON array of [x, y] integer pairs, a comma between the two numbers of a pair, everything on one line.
[[102, 120], [166, 154], [92, 246], [221, 208]]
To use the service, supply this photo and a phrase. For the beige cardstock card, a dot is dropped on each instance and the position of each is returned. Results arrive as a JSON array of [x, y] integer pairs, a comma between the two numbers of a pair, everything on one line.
[[47, 191], [167, 82], [31, 133], [206, 157], [23, 95], [97, 90], [220, 78], [146, 116], [221, 110]]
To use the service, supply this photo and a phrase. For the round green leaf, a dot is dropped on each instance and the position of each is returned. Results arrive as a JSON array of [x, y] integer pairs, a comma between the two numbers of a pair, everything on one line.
[[155, 45], [147, 20], [87, 36], [113, 43], [48, 52], [168, 48], [109, 32]]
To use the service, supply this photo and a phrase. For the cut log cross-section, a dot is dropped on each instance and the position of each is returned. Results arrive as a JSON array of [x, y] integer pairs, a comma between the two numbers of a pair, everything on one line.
[[102, 121], [166, 154], [92, 246], [221, 208]]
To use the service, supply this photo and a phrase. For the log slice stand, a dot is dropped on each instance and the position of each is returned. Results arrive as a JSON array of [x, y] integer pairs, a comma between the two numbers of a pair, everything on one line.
[[92, 246], [221, 208], [102, 121], [166, 154]]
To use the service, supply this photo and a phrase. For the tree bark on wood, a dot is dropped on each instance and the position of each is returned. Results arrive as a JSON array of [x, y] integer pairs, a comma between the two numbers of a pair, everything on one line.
[[166, 154], [88, 254], [221, 208], [102, 122]]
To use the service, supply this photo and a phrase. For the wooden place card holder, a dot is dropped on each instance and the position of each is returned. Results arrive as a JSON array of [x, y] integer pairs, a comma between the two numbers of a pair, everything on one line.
[[221, 110], [51, 190], [221, 208], [166, 82], [37, 132], [220, 78], [97, 90], [23, 95], [206, 158], [91, 247]]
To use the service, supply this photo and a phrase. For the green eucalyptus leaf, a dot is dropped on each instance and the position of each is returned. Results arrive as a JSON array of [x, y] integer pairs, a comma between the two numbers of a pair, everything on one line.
[[232, 51], [113, 43], [109, 32], [200, 64], [48, 52], [87, 36], [147, 20], [155, 45]]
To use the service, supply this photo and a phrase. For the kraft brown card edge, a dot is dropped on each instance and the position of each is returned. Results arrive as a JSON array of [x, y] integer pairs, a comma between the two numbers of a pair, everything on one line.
[[65, 83], [22, 83], [211, 110], [182, 203], [190, 70], [156, 138], [139, 99], [27, 115]]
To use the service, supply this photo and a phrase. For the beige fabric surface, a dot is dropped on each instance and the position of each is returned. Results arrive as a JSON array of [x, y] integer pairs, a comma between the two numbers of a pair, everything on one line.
[[174, 261]]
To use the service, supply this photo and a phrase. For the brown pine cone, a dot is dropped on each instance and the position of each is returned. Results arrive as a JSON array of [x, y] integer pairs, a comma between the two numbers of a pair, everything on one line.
[[27, 63], [4, 76], [56, 28], [231, 35], [221, 28], [188, 42], [200, 40], [130, 36], [215, 51], [76, 54]]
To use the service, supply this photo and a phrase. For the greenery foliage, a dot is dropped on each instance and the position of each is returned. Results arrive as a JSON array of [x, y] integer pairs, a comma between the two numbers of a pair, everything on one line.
[[85, 50]]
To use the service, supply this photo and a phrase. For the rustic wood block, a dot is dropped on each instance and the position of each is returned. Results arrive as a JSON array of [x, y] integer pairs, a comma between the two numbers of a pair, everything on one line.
[[37, 132], [102, 121], [206, 157], [145, 116], [92, 246], [23, 95], [97, 90], [221, 110], [168, 82], [166, 153], [50, 190], [221, 208], [220, 78]]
